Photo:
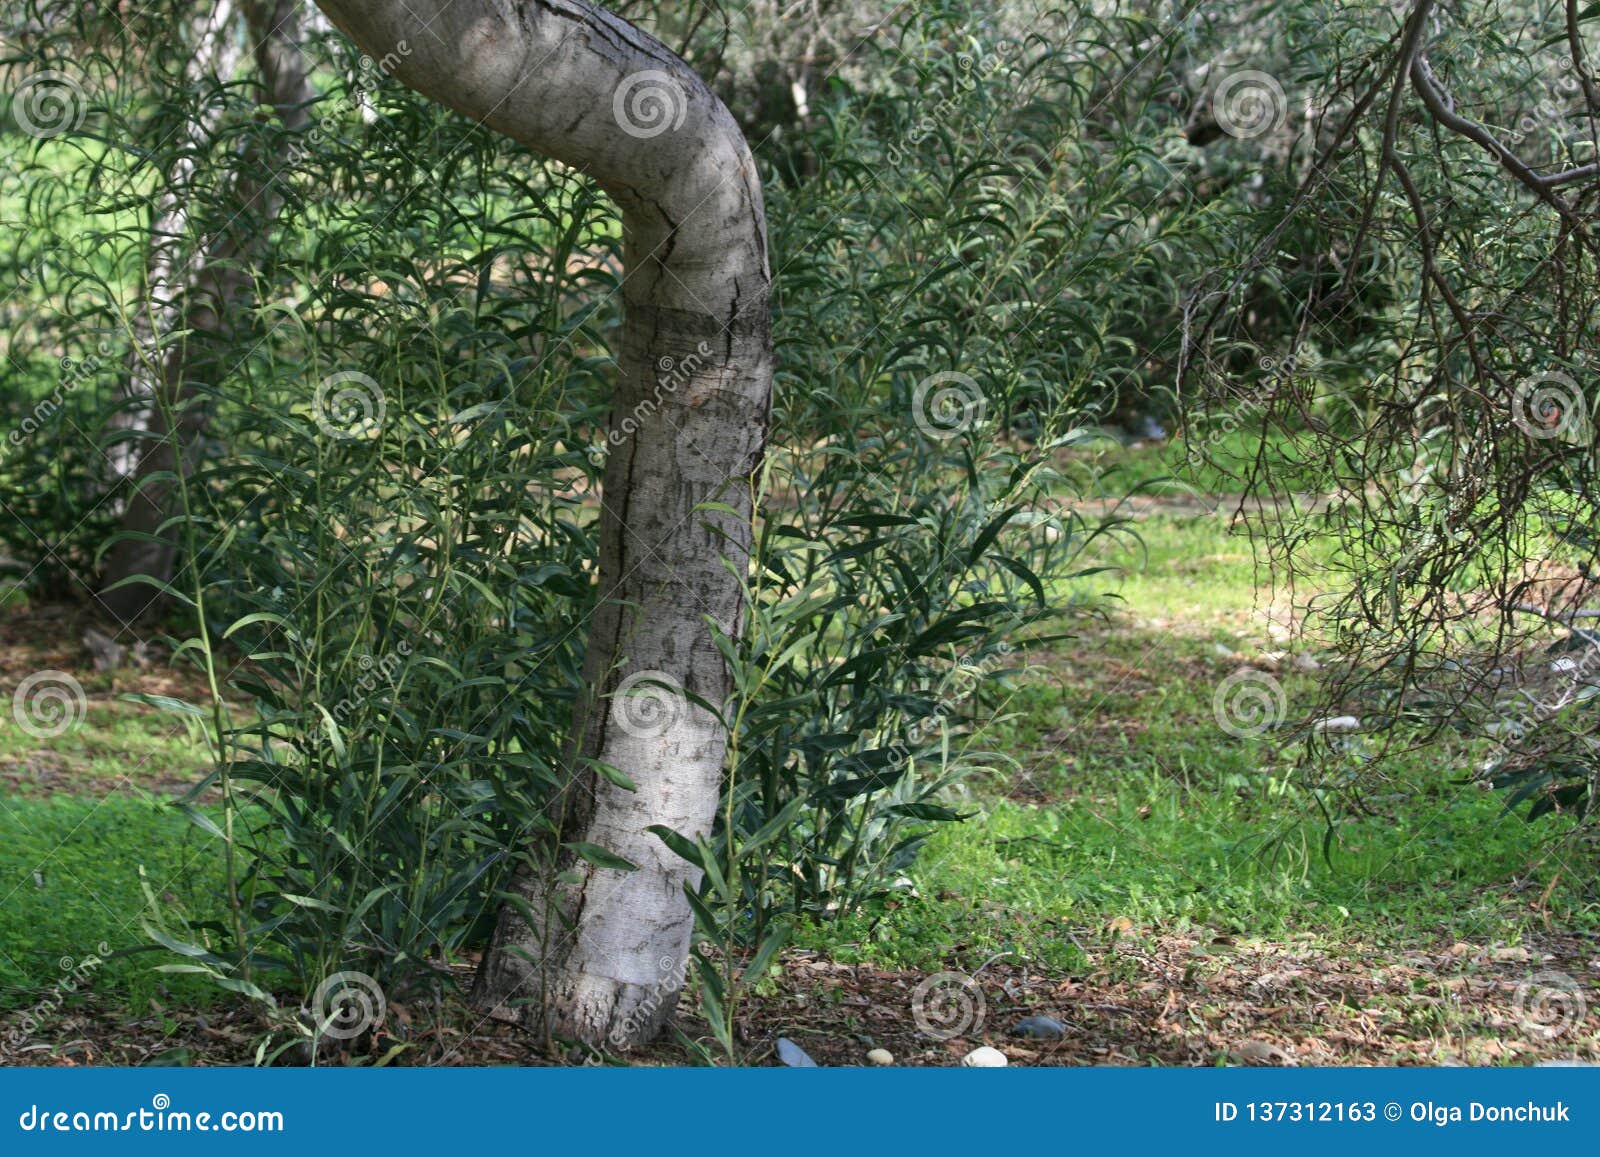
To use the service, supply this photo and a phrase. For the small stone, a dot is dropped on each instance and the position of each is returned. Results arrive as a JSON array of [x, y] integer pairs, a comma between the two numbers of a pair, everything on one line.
[[106, 652], [1337, 724], [1279, 633], [1149, 430], [984, 1057], [881, 1057], [793, 1055], [1040, 1028], [1305, 662], [1260, 1052]]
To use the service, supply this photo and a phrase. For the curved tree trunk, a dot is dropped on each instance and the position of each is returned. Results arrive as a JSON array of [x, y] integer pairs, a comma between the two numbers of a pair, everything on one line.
[[598, 954], [203, 295]]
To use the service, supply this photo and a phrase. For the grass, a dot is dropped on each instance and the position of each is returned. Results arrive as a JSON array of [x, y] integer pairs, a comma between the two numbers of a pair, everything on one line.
[[1122, 804], [70, 878], [1214, 461], [115, 742]]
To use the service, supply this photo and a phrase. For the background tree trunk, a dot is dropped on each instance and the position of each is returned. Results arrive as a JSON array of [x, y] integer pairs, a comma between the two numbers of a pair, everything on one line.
[[203, 295], [600, 956]]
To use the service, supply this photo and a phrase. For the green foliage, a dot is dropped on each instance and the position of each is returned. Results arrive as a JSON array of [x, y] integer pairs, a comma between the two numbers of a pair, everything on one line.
[[397, 540], [907, 541], [391, 599], [990, 236], [1129, 809], [388, 529]]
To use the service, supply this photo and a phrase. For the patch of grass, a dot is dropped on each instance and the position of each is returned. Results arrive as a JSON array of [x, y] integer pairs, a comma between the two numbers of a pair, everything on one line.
[[1241, 858], [69, 882], [114, 744], [1128, 808], [1214, 461]]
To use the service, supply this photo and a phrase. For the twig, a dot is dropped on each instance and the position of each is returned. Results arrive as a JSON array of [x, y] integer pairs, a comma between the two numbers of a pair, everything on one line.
[[1555, 616], [1441, 106]]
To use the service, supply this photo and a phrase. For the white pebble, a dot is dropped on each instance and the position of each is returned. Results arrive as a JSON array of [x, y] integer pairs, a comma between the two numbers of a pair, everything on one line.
[[881, 1057], [984, 1057]]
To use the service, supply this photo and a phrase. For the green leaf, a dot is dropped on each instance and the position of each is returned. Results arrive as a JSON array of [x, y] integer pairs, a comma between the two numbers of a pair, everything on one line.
[[613, 774], [684, 848], [600, 857]]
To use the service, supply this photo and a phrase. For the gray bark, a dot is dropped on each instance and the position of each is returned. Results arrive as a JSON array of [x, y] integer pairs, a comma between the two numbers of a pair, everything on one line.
[[598, 955], [203, 295]]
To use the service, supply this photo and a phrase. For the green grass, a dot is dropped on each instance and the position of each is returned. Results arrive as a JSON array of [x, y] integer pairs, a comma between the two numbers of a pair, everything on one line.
[[1123, 805], [114, 744], [70, 881]]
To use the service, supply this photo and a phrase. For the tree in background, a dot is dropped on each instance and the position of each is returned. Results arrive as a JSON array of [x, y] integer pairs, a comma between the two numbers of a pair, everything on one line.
[[197, 289]]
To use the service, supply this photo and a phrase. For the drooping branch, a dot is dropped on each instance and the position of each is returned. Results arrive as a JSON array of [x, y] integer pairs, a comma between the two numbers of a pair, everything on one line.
[[1442, 109]]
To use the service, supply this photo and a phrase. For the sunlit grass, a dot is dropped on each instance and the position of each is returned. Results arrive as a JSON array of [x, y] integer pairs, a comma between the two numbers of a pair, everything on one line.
[[1124, 806]]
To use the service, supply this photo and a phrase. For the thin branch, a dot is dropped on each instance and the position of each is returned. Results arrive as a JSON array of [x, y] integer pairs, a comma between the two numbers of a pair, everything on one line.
[[1438, 103], [1554, 616]]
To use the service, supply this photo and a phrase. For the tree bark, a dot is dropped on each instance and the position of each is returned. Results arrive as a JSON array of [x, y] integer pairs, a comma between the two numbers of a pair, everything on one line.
[[593, 953], [203, 295]]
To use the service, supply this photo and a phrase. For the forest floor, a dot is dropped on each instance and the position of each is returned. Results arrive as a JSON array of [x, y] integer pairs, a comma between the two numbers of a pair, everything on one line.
[[1170, 893]]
